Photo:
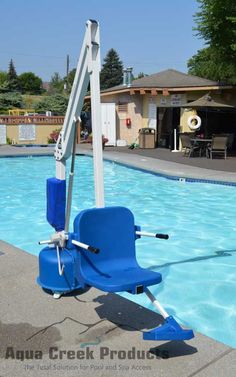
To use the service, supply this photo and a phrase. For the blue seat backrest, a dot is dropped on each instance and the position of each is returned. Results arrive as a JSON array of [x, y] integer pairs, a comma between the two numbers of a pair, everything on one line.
[[110, 229]]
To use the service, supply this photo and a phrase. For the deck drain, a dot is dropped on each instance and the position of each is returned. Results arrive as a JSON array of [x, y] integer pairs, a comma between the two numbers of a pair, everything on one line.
[[1, 253]]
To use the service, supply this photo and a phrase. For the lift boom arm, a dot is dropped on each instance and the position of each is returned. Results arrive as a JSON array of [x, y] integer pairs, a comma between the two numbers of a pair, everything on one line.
[[88, 70]]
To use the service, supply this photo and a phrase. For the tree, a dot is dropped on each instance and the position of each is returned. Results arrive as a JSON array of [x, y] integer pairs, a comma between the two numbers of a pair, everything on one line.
[[56, 85], [56, 103], [233, 20], [112, 70], [3, 81], [12, 78], [9, 100], [210, 64], [140, 76], [30, 83], [216, 24], [68, 81]]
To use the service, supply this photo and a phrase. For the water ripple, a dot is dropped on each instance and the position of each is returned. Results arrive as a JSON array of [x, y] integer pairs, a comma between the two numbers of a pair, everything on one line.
[[197, 262]]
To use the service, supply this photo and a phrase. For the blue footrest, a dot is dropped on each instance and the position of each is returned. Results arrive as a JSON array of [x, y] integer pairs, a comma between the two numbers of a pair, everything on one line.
[[170, 330]]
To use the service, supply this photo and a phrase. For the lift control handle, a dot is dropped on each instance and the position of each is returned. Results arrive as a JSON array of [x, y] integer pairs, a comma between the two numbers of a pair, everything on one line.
[[155, 235], [86, 247]]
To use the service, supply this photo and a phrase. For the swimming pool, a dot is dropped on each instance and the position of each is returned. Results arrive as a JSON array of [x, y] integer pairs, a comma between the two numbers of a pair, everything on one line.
[[197, 262]]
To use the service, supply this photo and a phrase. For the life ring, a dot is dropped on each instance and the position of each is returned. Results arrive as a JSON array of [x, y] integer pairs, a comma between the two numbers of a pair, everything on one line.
[[194, 126]]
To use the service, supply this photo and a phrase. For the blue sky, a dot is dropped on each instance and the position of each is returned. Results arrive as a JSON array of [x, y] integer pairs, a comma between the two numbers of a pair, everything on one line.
[[149, 36]]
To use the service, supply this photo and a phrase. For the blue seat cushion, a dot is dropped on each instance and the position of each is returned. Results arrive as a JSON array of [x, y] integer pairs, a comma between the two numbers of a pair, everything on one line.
[[124, 280]]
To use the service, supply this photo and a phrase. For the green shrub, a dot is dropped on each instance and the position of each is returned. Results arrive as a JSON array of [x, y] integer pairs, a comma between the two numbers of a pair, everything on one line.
[[10, 100], [57, 104]]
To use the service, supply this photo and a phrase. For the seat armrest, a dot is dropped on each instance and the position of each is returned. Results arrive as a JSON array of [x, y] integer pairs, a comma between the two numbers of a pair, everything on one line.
[[137, 228]]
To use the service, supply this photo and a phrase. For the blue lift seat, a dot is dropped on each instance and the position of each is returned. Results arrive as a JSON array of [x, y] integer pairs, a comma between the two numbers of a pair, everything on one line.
[[114, 268]]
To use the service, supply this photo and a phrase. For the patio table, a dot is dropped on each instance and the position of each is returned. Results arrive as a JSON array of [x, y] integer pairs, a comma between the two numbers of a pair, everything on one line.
[[203, 143]]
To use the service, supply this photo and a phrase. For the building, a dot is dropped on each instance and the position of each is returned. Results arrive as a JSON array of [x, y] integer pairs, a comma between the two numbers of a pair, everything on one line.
[[157, 101]]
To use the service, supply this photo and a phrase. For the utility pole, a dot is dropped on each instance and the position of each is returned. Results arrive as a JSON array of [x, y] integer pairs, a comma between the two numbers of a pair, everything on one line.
[[66, 86]]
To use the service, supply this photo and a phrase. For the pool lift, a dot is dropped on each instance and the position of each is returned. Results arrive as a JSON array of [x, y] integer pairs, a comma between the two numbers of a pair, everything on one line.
[[100, 252]]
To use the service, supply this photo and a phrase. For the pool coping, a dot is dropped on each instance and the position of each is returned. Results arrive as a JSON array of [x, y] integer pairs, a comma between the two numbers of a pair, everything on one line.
[[167, 169], [173, 177]]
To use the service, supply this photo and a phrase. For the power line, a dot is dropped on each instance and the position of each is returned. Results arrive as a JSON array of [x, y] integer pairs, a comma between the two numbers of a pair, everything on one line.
[[33, 55]]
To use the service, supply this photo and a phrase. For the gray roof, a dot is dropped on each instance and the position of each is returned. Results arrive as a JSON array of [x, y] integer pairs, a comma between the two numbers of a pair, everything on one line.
[[169, 78]]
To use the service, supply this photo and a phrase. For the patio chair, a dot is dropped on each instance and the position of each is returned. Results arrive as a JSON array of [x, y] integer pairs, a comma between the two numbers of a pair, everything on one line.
[[218, 146], [230, 138], [188, 146]]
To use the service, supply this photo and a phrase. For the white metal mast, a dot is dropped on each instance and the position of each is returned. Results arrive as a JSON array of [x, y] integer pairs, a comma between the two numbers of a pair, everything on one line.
[[88, 70]]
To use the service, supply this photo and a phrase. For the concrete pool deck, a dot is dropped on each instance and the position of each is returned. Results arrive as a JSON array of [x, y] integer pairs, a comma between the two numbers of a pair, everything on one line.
[[93, 322], [166, 167]]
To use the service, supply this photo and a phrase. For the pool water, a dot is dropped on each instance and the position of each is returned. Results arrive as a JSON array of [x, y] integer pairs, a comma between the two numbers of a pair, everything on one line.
[[198, 262]]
